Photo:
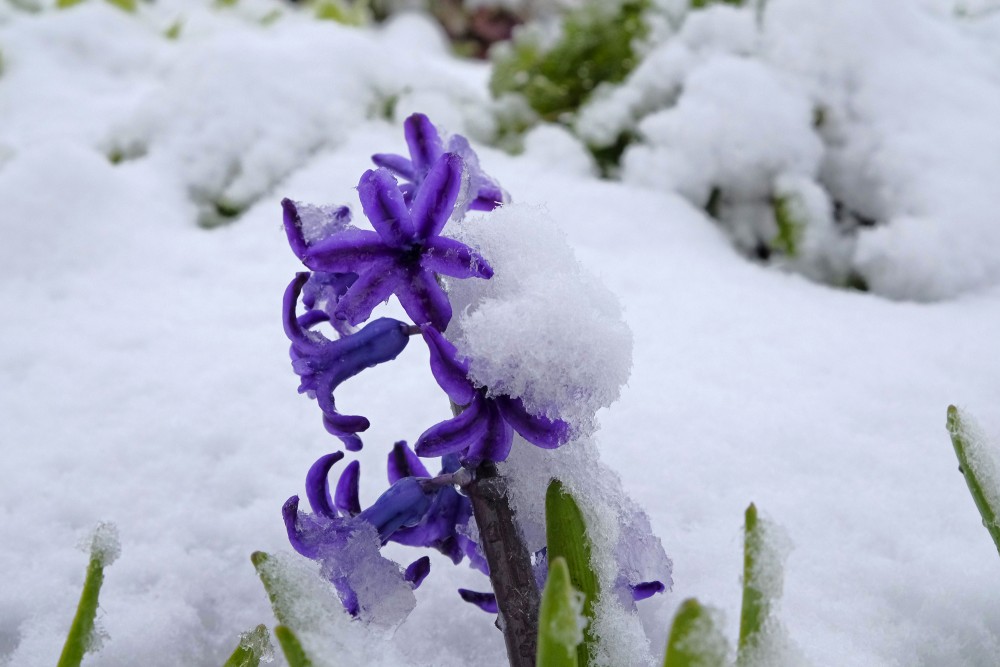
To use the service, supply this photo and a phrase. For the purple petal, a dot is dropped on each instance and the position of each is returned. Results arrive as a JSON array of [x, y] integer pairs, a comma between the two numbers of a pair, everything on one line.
[[424, 142], [455, 434], [435, 199], [335, 422], [450, 373], [293, 227], [402, 462], [397, 164], [646, 589], [290, 514], [488, 199], [346, 497], [536, 429], [383, 205], [424, 300], [372, 288], [495, 443], [350, 251], [303, 340], [318, 487], [417, 571], [351, 442], [452, 258], [400, 506], [305, 225], [485, 601]]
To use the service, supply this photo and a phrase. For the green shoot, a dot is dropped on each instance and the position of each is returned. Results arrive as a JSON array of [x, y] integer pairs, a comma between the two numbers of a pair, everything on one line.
[[566, 536], [254, 646], [82, 634], [559, 631], [695, 640], [977, 472]]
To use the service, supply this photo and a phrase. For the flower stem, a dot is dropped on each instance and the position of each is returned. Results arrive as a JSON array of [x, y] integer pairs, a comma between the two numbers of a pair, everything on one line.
[[511, 571]]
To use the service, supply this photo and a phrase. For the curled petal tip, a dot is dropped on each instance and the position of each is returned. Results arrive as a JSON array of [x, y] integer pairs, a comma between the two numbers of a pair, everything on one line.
[[485, 601]]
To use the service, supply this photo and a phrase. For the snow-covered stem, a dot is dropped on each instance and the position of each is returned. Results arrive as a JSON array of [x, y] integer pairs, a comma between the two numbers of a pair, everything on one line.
[[511, 573], [976, 472]]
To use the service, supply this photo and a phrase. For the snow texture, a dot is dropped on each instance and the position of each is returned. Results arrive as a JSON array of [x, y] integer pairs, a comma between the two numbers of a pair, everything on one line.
[[542, 328], [144, 377]]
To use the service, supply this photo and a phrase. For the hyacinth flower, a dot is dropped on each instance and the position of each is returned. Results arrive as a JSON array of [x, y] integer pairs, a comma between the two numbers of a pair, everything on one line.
[[322, 364], [445, 525], [426, 146], [404, 252], [304, 225], [327, 533], [484, 430]]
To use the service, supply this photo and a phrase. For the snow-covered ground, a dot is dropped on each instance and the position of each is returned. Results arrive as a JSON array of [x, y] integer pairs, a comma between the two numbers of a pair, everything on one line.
[[144, 376]]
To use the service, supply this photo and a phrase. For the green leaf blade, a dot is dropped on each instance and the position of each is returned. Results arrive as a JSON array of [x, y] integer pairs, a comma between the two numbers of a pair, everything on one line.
[[977, 476], [80, 639], [695, 640], [755, 602], [291, 647], [559, 631], [566, 537], [254, 646]]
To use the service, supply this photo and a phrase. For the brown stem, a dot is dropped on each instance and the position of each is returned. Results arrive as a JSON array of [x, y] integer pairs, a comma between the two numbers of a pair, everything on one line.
[[511, 573]]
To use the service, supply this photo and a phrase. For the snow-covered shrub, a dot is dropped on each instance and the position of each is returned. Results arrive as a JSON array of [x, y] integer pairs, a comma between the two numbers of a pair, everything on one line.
[[779, 122]]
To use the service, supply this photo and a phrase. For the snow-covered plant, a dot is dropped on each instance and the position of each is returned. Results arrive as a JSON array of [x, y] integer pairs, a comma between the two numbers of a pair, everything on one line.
[[696, 638], [553, 69], [978, 464], [525, 350]]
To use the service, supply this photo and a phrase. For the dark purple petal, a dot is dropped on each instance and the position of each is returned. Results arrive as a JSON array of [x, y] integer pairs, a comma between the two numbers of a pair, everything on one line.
[[417, 571], [372, 288], [293, 227], [488, 199], [424, 300], [335, 422], [485, 601], [351, 442], [536, 429], [455, 259], [401, 505], [402, 462], [303, 340], [323, 291], [383, 205], [318, 487], [350, 251], [450, 373], [424, 142], [435, 199], [495, 443], [311, 318], [646, 589], [296, 536], [346, 497], [455, 434], [397, 164]]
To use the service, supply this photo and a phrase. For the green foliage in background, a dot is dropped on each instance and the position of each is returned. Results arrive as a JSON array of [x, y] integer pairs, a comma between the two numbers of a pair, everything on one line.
[[596, 45]]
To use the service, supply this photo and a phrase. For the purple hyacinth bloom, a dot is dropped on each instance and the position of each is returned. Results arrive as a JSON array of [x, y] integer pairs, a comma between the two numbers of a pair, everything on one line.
[[441, 528], [405, 252], [484, 431], [330, 536], [323, 364], [304, 226], [425, 146]]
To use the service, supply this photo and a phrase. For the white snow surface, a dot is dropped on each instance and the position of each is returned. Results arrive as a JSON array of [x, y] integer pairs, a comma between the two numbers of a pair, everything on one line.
[[144, 377]]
